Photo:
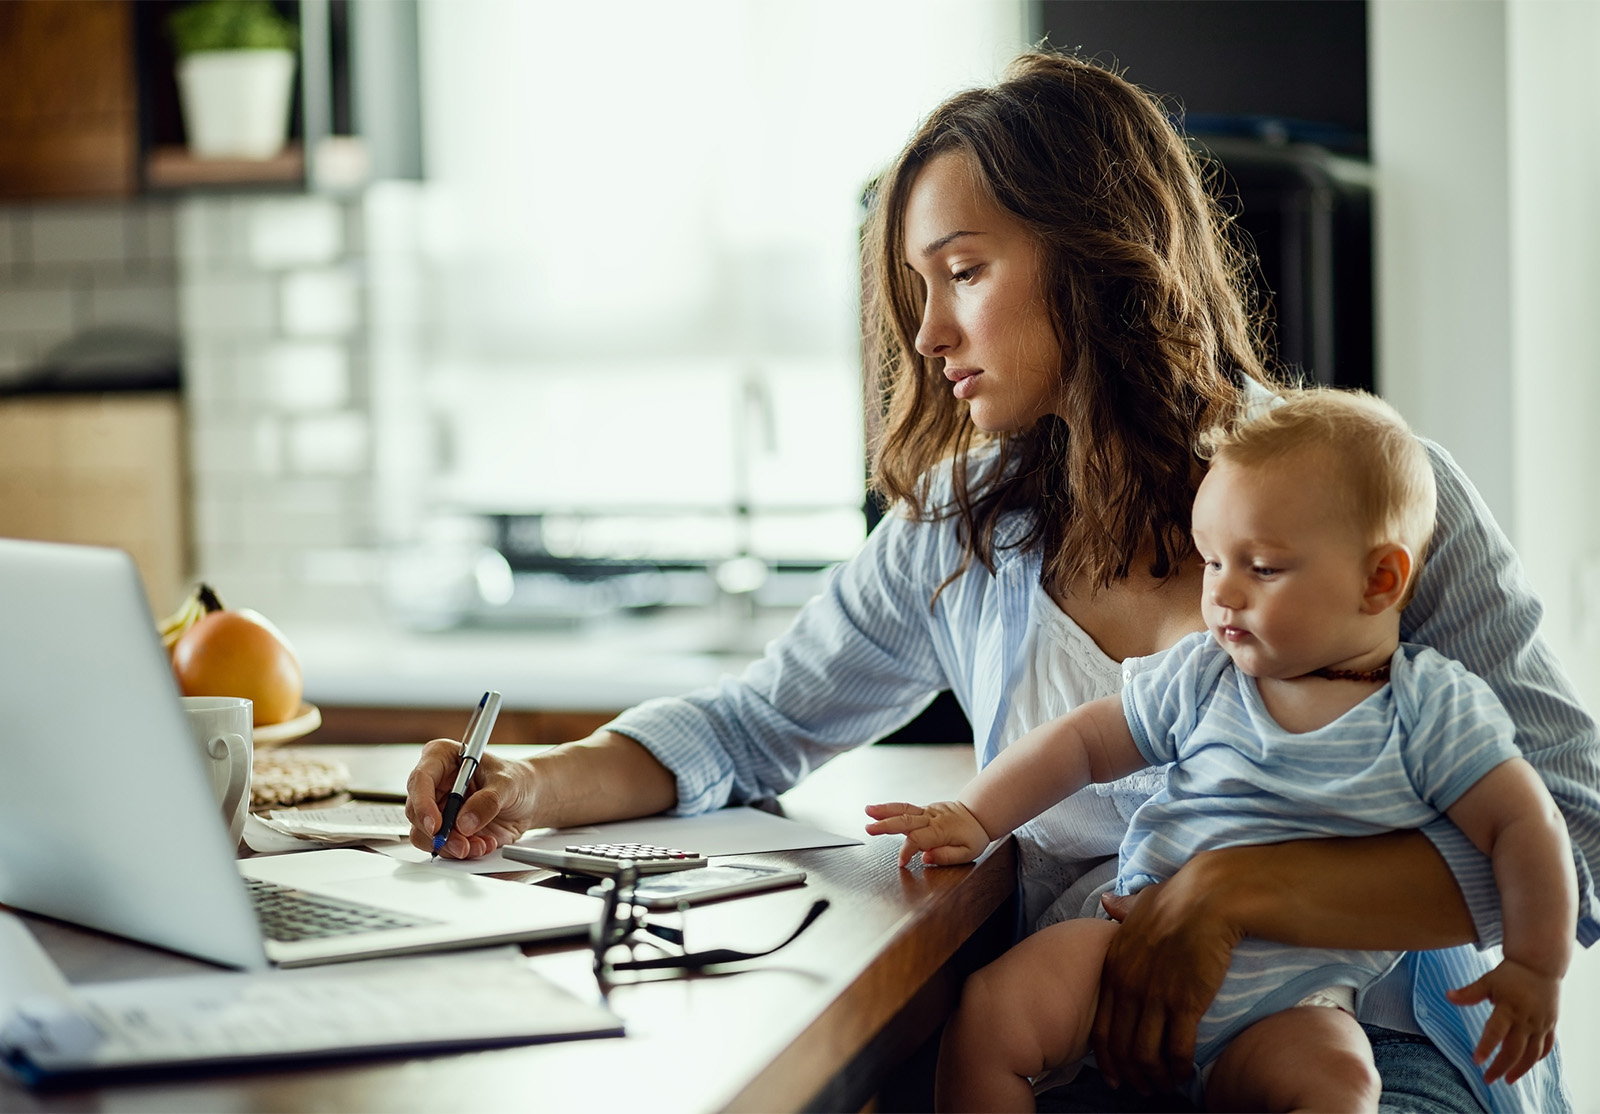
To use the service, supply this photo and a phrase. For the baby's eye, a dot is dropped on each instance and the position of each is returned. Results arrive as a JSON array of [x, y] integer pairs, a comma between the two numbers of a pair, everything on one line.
[[1262, 570]]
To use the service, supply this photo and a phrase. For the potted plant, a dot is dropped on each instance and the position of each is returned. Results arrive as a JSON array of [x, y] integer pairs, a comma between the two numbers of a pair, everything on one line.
[[235, 76]]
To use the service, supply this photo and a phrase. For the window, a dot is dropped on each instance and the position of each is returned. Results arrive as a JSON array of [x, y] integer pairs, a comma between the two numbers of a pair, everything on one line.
[[642, 271]]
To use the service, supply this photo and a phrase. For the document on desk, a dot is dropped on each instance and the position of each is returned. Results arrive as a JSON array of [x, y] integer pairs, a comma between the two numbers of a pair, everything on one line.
[[342, 823], [726, 831], [51, 1030]]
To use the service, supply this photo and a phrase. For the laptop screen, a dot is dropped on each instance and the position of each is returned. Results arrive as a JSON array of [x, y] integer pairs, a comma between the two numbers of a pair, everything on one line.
[[107, 817]]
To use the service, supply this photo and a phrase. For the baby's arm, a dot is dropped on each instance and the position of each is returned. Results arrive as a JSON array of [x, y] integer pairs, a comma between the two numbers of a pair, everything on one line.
[[1091, 743], [1511, 817]]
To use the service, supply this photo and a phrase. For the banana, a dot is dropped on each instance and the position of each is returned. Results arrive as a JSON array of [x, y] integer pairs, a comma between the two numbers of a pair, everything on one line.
[[199, 603]]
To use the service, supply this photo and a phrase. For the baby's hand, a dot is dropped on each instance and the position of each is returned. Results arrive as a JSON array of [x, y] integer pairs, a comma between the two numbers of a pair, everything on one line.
[[1523, 1024], [945, 832]]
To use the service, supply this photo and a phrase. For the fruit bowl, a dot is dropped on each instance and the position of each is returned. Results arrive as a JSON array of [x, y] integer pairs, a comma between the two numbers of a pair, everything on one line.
[[304, 722]]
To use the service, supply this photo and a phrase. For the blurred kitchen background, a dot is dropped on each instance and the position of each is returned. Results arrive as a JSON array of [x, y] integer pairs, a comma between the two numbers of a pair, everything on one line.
[[531, 359], [546, 313]]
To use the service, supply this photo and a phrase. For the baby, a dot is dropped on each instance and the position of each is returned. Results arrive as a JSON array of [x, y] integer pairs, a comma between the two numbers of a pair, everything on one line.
[[1297, 713]]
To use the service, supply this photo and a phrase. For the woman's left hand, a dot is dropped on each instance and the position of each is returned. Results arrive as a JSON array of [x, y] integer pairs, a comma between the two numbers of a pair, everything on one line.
[[1165, 965]]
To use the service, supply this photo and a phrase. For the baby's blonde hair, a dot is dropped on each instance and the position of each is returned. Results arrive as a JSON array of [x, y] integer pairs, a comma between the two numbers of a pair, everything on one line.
[[1377, 469]]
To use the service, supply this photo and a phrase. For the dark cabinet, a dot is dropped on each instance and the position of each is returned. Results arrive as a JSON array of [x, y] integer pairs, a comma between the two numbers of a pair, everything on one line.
[[68, 103]]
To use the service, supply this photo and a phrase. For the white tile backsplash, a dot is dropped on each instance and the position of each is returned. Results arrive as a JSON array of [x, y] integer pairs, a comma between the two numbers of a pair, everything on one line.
[[266, 294], [17, 354], [38, 311], [274, 337], [269, 446], [158, 226], [296, 232], [232, 306], [222, 446], [307, 376], [320, 303], [210, 375], [331, 444], [8, 244], [79, 234], [150, 304]]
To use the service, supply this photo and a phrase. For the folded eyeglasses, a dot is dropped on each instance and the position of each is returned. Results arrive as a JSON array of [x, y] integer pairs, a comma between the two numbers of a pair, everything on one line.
[[616, 928]]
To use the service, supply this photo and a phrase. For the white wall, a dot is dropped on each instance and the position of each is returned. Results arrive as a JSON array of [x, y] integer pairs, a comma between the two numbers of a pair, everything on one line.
[[1488, 247], [1438, 119], [1553, 48], [1488, 271]]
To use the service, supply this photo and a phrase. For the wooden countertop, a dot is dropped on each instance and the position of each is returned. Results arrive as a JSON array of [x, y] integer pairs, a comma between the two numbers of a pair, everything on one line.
[[827, 1023]]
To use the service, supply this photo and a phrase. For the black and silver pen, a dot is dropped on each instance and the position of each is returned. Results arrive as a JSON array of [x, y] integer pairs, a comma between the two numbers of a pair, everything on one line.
[[472, 744]]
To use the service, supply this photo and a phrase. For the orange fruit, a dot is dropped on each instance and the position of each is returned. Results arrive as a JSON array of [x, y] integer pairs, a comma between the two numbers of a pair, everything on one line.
[[239, 653]]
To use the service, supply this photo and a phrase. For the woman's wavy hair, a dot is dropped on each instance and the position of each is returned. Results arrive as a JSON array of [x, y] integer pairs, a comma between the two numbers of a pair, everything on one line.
[[1145, 290]]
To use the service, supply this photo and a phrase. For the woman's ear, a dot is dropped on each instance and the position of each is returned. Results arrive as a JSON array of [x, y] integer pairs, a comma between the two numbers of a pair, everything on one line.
[[1388, 573]]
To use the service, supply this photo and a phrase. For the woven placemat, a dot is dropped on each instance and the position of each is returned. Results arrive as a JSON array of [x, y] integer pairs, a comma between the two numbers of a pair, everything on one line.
[[288, 777]]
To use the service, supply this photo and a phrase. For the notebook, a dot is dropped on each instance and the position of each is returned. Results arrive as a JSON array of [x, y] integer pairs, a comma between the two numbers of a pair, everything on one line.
[[51, 1031], [107, 817]]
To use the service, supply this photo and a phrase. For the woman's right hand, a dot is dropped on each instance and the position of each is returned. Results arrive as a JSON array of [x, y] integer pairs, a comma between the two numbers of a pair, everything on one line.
[[499, 806], [604, 777], [1159, 976]]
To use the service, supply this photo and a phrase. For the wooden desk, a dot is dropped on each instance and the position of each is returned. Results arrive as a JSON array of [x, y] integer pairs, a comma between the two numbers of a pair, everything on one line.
[[825, 1024]]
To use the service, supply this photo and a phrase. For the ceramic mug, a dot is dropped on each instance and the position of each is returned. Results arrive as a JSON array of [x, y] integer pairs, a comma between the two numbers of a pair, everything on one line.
[[221, 725]]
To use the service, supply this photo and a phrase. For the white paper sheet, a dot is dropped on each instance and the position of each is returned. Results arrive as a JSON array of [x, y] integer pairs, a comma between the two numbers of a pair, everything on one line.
[[727, 831]]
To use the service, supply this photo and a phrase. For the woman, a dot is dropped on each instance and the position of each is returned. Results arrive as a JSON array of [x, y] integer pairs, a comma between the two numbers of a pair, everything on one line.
[[1057, 316]]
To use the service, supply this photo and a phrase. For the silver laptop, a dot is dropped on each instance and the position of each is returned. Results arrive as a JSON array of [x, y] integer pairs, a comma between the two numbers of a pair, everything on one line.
[[107, 817]]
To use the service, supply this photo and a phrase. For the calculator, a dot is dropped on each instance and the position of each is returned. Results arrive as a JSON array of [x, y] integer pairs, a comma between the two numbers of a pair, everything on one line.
[[606, 859]]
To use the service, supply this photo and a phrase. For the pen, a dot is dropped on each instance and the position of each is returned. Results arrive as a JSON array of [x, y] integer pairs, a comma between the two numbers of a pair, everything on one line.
[[472, 744]]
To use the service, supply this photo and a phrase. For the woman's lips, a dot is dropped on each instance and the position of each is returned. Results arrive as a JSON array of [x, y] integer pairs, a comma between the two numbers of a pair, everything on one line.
[[964, 378]]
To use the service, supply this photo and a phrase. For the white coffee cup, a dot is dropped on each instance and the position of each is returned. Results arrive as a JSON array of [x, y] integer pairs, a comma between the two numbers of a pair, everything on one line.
[[221, 725]]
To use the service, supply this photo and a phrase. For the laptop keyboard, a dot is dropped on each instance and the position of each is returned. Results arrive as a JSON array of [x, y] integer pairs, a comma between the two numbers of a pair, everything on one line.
[[288, 914]]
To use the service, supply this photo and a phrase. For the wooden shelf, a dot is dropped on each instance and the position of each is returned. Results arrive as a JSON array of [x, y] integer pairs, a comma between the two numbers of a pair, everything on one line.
[[174, 168]]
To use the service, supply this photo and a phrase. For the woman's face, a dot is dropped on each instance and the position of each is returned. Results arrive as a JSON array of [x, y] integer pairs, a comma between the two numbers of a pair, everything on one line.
[[985, 314]]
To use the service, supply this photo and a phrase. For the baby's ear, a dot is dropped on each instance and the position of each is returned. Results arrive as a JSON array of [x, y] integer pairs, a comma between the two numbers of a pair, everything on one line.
[[1388, 572]]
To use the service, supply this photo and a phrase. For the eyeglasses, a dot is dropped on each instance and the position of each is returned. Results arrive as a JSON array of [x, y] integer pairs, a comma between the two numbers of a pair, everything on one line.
[[615, 928]]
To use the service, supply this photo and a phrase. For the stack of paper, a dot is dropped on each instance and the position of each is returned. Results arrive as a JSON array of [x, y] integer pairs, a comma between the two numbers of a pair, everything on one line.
[[49, 1029], [349, 823]]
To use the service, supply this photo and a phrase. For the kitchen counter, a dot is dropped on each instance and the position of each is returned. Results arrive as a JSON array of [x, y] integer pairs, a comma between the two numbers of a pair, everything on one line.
[[605, 664]]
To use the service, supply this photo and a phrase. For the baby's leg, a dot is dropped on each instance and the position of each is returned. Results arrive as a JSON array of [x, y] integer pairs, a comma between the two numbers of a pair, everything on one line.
[[1301, 1058], [1028, 1010]]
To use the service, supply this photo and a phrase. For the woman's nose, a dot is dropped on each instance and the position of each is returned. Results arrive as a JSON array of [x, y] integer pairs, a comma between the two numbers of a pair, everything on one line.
[[937, 335]]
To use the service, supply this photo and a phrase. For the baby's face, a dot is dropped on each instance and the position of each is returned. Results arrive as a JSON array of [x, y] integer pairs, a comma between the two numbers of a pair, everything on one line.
[[1284, 571]]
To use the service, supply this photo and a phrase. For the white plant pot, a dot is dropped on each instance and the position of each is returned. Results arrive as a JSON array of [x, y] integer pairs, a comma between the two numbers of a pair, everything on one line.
[[236, 102]]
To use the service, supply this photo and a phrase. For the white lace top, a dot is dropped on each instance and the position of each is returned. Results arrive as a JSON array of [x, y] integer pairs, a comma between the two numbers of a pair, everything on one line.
[[1069, 669]]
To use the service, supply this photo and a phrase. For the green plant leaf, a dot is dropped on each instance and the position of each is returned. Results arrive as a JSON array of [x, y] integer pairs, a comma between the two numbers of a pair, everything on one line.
[[230, 25]]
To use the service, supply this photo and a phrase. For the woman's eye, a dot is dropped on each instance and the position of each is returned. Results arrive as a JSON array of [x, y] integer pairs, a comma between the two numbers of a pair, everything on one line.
[[966, 274]]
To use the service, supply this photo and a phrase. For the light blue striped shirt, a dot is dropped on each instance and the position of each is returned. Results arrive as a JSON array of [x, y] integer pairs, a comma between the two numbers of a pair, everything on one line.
[[870, 652], [1396, 760]]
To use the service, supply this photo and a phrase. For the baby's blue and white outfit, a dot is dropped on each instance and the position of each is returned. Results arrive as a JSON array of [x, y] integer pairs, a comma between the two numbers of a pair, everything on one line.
[[1396, 760]]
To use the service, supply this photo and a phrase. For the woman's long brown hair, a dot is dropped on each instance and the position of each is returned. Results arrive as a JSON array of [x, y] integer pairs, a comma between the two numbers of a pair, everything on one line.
[[1145, 293]]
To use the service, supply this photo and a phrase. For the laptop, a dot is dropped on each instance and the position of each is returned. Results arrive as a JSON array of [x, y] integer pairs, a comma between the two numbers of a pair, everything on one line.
[[108, 820]]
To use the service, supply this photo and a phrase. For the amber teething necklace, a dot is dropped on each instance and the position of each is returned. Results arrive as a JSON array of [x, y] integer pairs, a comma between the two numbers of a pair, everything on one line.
[[1379, 674]]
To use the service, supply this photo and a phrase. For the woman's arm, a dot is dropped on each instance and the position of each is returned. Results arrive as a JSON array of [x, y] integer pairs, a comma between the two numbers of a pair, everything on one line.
[[1163, 969], [1474, 604], [858, 662]]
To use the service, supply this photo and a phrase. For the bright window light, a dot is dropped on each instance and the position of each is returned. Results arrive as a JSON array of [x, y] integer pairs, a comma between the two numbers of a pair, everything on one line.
[[642, 243]]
